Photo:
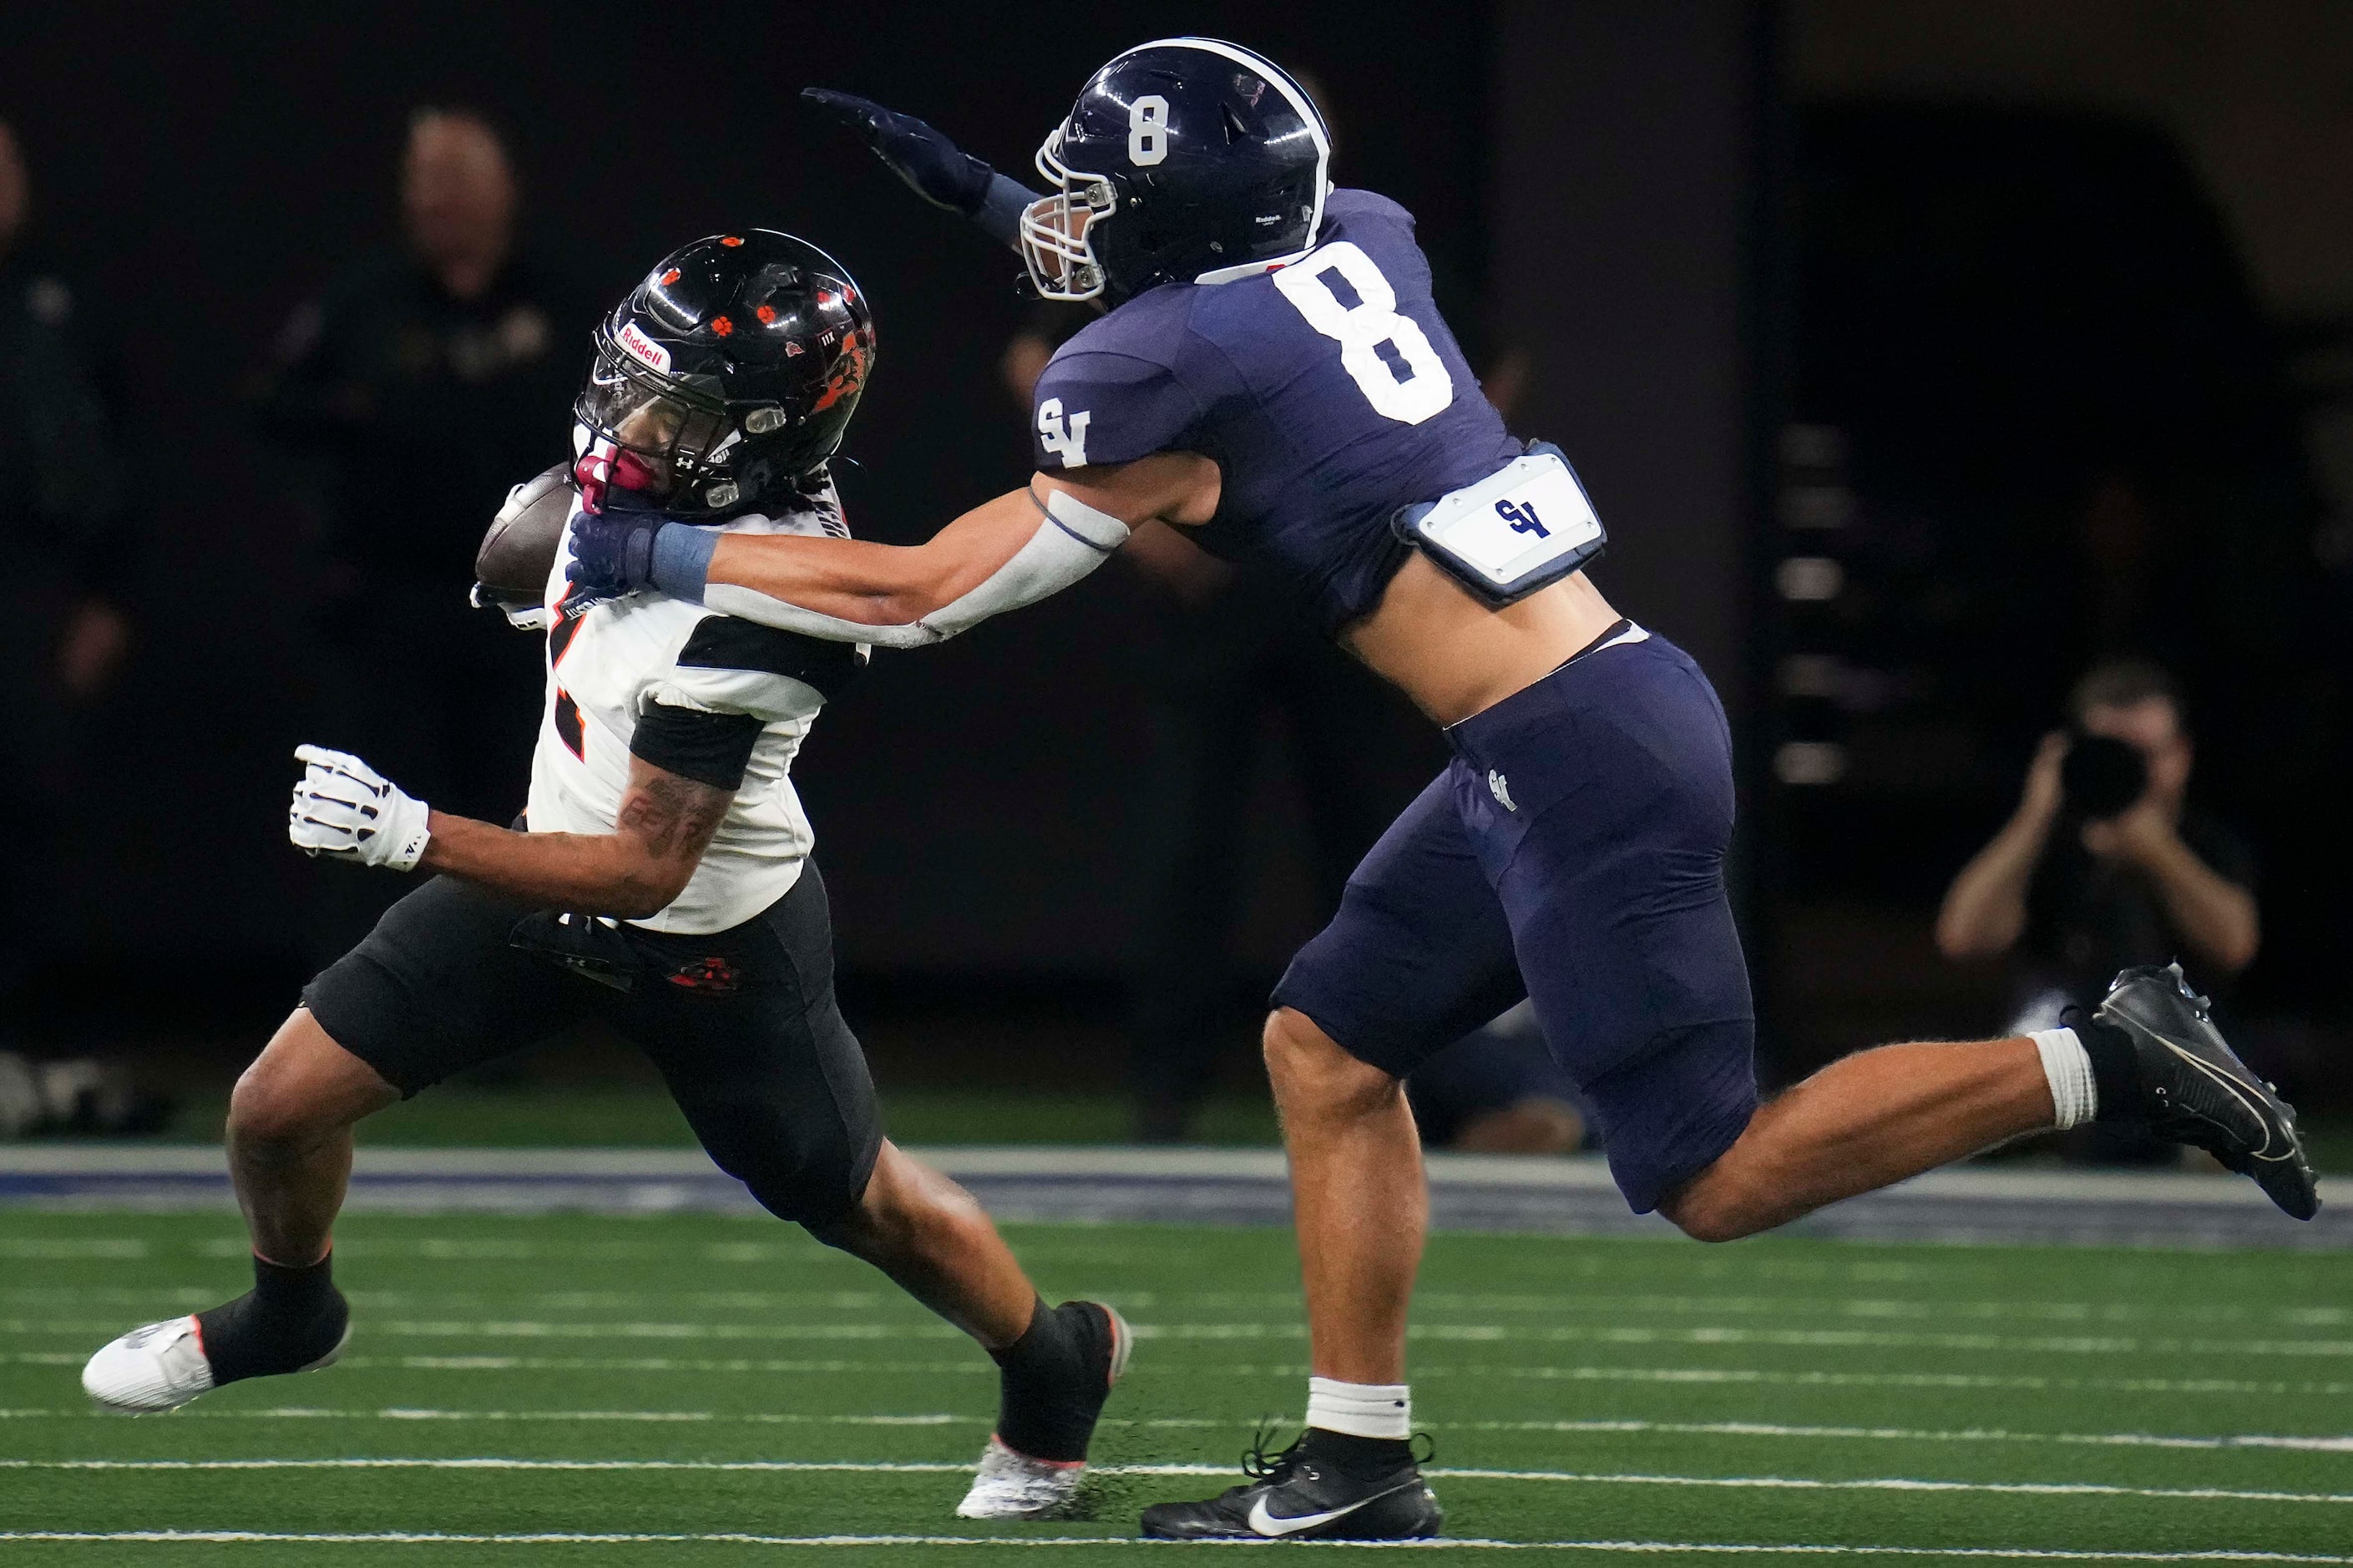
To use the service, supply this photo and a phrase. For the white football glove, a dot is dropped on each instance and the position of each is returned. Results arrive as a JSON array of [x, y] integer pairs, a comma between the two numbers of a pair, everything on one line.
[[346, 808]]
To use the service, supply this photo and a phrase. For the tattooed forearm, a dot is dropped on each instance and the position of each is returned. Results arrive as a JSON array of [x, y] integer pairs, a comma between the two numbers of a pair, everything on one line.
[[664, 825], [671, 815]]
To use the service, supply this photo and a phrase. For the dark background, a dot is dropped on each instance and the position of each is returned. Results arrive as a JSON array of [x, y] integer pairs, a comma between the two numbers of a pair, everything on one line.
[[209, 167], [1972, 239]]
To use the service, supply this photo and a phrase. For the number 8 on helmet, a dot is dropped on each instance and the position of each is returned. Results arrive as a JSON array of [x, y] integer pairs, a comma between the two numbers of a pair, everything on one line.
[[1185, 160]]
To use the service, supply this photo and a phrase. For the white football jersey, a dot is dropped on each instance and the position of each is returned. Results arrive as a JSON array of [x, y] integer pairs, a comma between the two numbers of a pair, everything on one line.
[[608, 667]]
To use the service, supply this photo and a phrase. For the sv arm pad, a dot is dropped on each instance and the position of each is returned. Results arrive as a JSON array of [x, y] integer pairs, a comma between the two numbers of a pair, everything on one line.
[[1072, 538]]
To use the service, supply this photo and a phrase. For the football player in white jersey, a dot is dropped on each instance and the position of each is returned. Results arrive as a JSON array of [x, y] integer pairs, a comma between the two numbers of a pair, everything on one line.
[[662, 884]]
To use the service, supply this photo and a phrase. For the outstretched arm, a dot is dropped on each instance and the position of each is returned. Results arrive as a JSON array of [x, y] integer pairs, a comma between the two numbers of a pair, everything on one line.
[[934, 167], [345, 809], [1003, 555], [639, 870]]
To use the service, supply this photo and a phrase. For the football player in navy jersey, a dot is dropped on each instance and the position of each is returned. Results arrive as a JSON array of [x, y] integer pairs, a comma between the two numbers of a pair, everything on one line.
[[1270, 374]]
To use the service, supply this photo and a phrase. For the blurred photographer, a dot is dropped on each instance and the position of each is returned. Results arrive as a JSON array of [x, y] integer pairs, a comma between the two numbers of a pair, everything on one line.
[[2102, 866]]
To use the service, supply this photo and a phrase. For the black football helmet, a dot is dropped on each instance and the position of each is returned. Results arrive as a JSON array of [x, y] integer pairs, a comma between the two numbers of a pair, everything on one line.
[[1184, 159], [730, 372]]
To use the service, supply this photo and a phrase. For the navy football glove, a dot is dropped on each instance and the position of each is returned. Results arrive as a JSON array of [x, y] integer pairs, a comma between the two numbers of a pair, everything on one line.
[[938, 170], [612, 556], [615, 554]]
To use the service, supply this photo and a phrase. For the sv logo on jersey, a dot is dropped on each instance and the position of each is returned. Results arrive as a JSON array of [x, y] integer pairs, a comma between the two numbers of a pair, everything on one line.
[[1066, 439], [1523, 519]]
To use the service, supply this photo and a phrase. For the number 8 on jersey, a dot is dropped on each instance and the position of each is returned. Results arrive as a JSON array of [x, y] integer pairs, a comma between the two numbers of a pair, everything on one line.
[[1344, 297]]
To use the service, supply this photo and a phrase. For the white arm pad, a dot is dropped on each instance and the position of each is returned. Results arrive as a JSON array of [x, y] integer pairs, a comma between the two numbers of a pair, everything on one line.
[[1072, 540]]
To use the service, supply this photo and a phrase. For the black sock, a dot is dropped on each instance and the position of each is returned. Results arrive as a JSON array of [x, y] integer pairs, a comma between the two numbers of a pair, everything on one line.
[[1053, 1389], [2115, 1072], [1367, 1458], [1037, 1339], [289, 1318]]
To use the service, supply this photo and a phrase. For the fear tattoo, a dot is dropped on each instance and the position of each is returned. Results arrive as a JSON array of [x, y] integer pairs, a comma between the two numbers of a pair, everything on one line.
[[673, 816]]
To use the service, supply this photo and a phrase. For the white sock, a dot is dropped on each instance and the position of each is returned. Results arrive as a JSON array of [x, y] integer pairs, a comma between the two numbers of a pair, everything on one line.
[[1360, 1409], [2069, 1067]]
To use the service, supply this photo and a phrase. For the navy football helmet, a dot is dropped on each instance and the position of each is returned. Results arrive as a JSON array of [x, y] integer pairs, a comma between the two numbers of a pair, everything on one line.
[[731, 372], [1184, 159]]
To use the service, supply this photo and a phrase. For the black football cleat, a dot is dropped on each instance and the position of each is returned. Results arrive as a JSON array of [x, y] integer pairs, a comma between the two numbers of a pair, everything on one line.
[[1296, 1496], [2196, 1091]]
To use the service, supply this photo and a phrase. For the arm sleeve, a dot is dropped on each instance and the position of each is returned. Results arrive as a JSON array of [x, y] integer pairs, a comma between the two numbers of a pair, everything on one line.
[[999, 213], [1094, 406], [1071, 541], [710, 748]]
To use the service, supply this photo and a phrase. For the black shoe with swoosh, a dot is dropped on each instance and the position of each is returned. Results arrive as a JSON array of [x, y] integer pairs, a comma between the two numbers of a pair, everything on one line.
[[1297, 1496], [2196, 1091]]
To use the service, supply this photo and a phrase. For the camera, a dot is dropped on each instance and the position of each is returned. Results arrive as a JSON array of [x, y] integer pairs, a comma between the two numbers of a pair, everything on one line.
[[2102, 775]]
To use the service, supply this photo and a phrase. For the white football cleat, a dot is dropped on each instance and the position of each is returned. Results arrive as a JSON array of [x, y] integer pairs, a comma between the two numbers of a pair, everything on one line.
[[1015, 1486], [162, 1366], [159, 1367]]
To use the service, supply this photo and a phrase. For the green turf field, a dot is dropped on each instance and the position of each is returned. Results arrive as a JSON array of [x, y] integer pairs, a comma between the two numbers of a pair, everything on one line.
[[697, 1378]]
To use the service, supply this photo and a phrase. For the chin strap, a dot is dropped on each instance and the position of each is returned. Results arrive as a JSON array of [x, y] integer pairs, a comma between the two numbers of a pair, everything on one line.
[[1072, 538]]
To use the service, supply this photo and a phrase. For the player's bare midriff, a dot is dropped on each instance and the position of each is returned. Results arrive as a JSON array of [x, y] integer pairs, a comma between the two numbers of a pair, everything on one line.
[[1455, 656], [1452, 655]]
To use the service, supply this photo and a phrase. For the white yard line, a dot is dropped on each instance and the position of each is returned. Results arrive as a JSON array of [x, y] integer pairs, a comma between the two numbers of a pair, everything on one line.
[[1959, 1380], [52, 1249], [1745, 1429], [535, 1328], [1696, 1302], [1572, 1477], [856, 1466], [576, 1363], [976, 1367], [2326, 1444], [1896, 1484], [1681, 1304], [1641, 1547], [2087, 1345]]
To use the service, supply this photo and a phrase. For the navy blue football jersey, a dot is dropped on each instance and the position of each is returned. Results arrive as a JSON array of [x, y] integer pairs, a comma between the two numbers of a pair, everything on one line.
[[1329, 392]]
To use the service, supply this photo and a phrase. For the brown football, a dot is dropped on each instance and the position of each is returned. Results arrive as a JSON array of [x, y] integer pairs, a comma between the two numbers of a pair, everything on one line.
[[518, 550]]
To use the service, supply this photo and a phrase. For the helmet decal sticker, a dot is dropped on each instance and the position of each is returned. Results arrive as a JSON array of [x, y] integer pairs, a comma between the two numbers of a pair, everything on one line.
[[848, 374], [644, 347]]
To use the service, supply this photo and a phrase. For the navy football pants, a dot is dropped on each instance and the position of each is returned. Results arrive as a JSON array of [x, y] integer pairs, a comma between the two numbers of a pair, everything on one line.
[[1572, 852]]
